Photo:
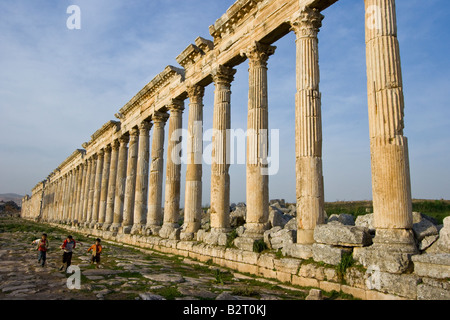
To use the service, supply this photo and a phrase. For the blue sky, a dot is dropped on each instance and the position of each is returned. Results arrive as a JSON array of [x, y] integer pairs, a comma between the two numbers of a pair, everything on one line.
[[58, 86]]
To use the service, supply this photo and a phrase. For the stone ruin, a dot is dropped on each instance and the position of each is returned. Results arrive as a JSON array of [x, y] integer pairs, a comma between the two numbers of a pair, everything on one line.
[[113, 186]]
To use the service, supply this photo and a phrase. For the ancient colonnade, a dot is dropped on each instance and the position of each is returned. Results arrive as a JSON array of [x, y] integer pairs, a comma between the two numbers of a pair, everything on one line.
[[115, 183]]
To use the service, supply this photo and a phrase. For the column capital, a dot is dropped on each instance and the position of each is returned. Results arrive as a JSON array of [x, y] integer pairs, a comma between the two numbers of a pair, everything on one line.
[[108, 148], [134, 132], [308, 23], [160, 117], [258, 53], [195, 93], [144, 127], [223, 74], [115, 144], [176, 105], [101, 153], [124, 139]]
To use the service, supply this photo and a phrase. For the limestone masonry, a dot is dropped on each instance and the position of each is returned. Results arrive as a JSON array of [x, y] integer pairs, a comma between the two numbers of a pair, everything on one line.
[[113, 187]]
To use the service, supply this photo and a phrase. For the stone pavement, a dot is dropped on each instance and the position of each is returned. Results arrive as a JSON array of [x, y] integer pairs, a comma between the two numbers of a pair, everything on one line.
[[126, 273]]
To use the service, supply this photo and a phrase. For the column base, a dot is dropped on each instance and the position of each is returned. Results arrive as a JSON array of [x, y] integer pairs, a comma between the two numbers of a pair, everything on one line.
[[126, 229], [255, 230], [305, 236], [115, 227], [170, 231], [152, 230], [391, 251], [216, 237], [138, 228], [99, 226], [106, 226], [188, 236]]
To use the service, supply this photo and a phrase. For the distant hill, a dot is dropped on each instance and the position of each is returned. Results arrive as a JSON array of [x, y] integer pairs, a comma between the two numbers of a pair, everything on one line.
[[17, 198]]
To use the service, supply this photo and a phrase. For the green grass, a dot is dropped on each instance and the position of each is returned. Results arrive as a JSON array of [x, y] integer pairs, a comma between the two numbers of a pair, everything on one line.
[[437, 209], [259, 246], [170, 293]]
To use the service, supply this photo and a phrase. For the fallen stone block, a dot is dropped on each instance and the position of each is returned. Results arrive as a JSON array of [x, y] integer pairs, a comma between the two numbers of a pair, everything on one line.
[[328, 253], [342, 235], [432, 265]]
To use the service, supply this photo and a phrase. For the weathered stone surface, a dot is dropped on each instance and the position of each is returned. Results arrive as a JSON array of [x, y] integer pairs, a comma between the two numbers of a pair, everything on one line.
[[287, 265], [342, 235], [301, 251], [444, 236], [383, 259], [291, 225], [277, 238], [432, 265], [423, 227], [366, 221], [151, 296], [225, 296], [402, 285], [427, 292], [277, 218], [328, 254], [345, 219], [315, 294], [244, 243]]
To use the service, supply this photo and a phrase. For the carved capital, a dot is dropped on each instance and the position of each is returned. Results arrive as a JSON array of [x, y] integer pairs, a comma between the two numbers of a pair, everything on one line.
[[195, 93], [258, 53], [144, 127], [108, 148], [101, 153], [134, 133], [223, 75], [160, 117], [115, 145], [176, 105], [308, 23], [124, 139]]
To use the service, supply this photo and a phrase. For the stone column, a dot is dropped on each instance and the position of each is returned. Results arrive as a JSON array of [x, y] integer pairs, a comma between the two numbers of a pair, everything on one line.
[[220, 178], [62, 199], [68, 193], [170, 228], [193, 191], [79, 188], [112, 185], [154, 213], [257, 141], [391, 185], [82, 189], [86, 191], [104, 187], [308, 126], [140, 203], [97, 188], [91, 193], [130, 189], [120, 184], [75, 189]]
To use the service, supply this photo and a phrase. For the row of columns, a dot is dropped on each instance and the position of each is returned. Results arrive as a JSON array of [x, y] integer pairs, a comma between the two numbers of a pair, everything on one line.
[[120, 188]]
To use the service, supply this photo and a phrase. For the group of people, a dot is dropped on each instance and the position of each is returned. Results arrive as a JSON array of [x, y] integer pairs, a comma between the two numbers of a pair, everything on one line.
[[68, 246]]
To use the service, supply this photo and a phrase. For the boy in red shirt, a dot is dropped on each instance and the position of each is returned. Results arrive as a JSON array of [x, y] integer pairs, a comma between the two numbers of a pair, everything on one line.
[[96, 251], [42, 247]]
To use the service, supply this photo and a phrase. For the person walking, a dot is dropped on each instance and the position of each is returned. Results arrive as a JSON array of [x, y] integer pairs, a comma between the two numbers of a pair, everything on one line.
[[42, 247]]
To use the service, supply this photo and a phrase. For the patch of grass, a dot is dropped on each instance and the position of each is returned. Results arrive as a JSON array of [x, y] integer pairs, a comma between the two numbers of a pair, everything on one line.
[[259, 246], [128, 274], [279, 254], [245, 292], [346, 262], [222, 277], [230, 238], [170, 293]]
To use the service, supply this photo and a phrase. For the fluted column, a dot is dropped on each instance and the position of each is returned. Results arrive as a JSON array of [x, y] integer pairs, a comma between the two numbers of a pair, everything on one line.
[[193, 191], [172, 195], [130, 191], [97, 188], [308, 126], [78, 196], [62, 198], [220, 178], [76, 187], [67, 197], [257, 141], [112, 185], [140, 202], [82, 189], [91, 191], [86, 191], [154, 213], [104, 187], [120, 184], [391, 184]]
